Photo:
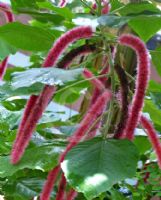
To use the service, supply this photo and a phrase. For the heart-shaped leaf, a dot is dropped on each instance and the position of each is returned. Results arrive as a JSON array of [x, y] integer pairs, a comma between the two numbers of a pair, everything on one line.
[[94, 166]]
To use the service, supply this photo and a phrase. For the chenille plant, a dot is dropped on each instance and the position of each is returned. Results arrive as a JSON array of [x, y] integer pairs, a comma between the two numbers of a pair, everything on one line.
[[81, 119]]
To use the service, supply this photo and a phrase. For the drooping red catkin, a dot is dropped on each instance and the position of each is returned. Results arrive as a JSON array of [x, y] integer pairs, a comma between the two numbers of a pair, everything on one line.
[[9, 18], [94, 6], [3, 67], [153, 137], [74, 53], [61, 190], [106, 7], [30, 124], [58, 48], [61, 44], [71, 194], [124, 101], [95, 82], [62, 3], [103, 80], [143, 67], [7, 11], [27, 111], [48, 187], [87, 121], [95, 95]]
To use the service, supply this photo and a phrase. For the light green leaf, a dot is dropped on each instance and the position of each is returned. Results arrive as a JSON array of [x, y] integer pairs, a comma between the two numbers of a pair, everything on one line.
[[6, 49], [26, 37], [65, 12], [48, 76], [154, 86], [113, 20], [156, 54], [155, 113], [146, 25], [141, 7]]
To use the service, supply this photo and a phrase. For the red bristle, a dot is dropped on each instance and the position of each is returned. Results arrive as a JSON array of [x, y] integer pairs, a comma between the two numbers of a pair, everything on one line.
[[96, 82], [62, 3], [7, 11], [27, 111], [9, 18], [61, 190], [48, 187], [143, 68], [106, 9], [3, 67], [35, 115], [71, 194], [95, 95], [61, 44], [153, 137]]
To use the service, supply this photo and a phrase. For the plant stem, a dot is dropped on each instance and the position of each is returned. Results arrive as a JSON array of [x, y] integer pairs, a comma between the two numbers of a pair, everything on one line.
[[108, 116], [79, 82]]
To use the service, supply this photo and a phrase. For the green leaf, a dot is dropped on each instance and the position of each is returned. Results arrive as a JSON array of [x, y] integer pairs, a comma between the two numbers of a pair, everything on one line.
[[6, 49], [43, 16], [115, 195], [115, 5], [6, 91], [141, 7], [156, 98], [26, 184], [71, 93], [11, 118], [26, 37], [142, 143], [155, 113], [48, 76], [65, 12], [42, 158], [156, 59], [154, 86], [23, 3], [26, 188], [94, 166], [145, 25], [113, 21]]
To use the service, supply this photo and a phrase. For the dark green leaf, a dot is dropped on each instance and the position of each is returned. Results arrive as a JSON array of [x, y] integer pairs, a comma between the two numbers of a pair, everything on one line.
[[92, 167]]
